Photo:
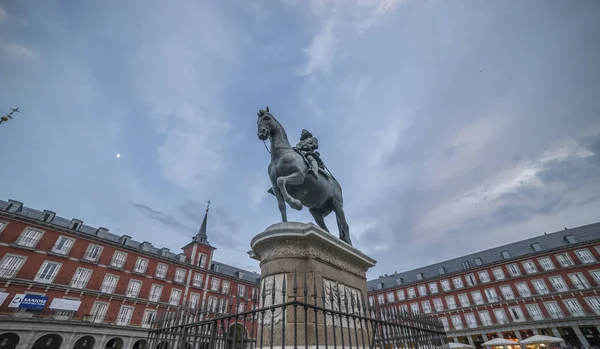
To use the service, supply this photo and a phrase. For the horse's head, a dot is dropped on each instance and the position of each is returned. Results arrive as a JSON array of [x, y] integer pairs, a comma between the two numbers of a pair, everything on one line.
[[266, 124]]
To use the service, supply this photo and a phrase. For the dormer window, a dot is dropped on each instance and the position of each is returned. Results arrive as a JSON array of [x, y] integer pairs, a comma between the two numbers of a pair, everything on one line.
[[380, 285], [505, 254], [48, 216], [215, 267], [398, 281], [240, 275], [419, 276], [466, 264], [478, 261], [100, 231], [441, 270], [163, 251], [570, 239], [75, 224], [124, 239], [13, 206], [536, 247]]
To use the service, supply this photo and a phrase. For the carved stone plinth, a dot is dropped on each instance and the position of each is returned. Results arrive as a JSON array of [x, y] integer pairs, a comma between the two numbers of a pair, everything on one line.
[[316, 268]]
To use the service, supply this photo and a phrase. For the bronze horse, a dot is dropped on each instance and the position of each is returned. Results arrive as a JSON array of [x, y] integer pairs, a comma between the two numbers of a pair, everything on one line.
[[288, 173]]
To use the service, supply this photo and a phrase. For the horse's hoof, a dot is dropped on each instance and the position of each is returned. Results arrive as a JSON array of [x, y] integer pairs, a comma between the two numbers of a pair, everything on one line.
[[296, 205]]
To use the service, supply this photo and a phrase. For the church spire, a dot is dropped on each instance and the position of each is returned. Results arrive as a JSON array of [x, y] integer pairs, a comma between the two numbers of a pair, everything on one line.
[[201, 236]]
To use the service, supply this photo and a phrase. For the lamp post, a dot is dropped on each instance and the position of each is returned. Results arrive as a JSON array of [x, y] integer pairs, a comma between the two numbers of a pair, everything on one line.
[[8, 116]]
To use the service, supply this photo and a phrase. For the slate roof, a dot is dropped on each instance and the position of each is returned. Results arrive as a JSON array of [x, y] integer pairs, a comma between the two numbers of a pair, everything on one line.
[[86, 229], [518, 249]]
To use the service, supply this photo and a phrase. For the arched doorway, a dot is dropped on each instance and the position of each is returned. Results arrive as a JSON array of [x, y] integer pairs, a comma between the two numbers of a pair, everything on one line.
[[85, 342], [49, 341], [237, 332], [9, 340], [140, 344], [114, 343], [163, 345]]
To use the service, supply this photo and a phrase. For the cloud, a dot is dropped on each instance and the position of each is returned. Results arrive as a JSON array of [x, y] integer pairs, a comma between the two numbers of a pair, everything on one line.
[[166, 220], [321, 50], [16, 51], [3, 16]]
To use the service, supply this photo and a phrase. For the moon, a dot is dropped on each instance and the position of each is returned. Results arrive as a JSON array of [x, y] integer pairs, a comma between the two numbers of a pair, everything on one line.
[[118, 155]]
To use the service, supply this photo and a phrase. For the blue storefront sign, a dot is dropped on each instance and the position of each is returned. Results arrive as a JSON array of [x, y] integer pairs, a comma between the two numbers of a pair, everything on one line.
[[28, 301]]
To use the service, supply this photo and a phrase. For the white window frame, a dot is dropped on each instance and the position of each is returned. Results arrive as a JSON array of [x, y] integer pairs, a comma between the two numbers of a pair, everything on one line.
[[179, 275], [27, 241], [458, 283], [588, 258], [401, 295], [195, 296], [529, 266], [525, 291], [492, 295], [595, 274], [445, 323], [390, 297], [579, 311], [79, 284], [446, 285], [94, 316], [468, 317], [433, 287], [214, 284], [477, 297], [457, 322], [451, 302], [129, 292], [152, 295], [498, 274], [41, 272], [486, 276], [544, 290], [411, 293], [438, 304], [89, 255], [426, 305], [558, 314], [594, 304], [505, 295], [241, 291], [198, 279], [63, 251], [463, 299], [105, 288], [562, 282], [225, 287], [471, 279], [546, 263], [422, 289], [201, 261], [500, 319], [380, 299], [160, 273], [566, 261], [113, 260], [535, 312], [148, 319], [138, 263], [13, 270], [3, 225], [513, 272], [579, 281], [488, 318], [520, 314], [175, 300], [125, 315]]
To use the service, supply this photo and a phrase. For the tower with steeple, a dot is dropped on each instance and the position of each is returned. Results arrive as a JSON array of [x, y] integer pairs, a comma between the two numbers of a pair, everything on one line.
[[199, 251]]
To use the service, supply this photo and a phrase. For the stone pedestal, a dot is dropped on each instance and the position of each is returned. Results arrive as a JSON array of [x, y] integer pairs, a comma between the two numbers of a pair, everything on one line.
[[310, 263]]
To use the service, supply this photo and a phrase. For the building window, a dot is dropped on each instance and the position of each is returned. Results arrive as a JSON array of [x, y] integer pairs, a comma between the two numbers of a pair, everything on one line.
[[564, 260], [194, 300], [422, 290], [241, 291], [404, 308], [516, 313], [149, 318], [438, 304], [451, 302], [10, 266], [212, 304], [445, 285], [523, 289], [118, 260], [225, 287], [534, 311], [197, 282], [109, 284], [484, 276], [141, 264], [558, 283], [529, 267], [202, 260], [585, 256], [470, 320], [507, 292], [433, 287], [485, 318], [540, 286], [463, 299], [471, 281], [546, 263], [419, 276], [63, 245], [411, 292], [124, 316], [380, 299], [477, 297], [380, 285], [554, 310], [596, 275], [98, 312], [390, 297], [179, 275], [441, 270], [458, 283], [223, 305], [47, 272], [492, 295], [574, 307], [214, 285], [414, 307], [594, 304], [513, 270], [134, 288], [241, 307], [400, 295], [155, 292], [2, 226], [466, 265], [29, 238], [478, 261], [93, 253], [81, 278], [161, 271], [445, 323], [175, 296], [398, 281], [498, 274], [505, 254], [500, 316], [579, 281], [457, 322], [536, 247], [570, 239], [426, 307]]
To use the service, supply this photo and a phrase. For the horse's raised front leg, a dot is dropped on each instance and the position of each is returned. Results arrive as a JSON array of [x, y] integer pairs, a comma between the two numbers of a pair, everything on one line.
[[295, 178], [280, 202]]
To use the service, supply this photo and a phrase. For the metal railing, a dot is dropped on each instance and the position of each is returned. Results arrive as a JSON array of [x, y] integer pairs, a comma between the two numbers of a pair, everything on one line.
[[324, 316]]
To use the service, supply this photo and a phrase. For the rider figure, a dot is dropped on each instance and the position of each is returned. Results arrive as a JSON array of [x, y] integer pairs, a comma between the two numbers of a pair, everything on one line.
[[308, 146]]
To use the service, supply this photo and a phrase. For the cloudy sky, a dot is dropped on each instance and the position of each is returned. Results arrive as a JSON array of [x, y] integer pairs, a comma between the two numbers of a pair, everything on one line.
[[453, 126]]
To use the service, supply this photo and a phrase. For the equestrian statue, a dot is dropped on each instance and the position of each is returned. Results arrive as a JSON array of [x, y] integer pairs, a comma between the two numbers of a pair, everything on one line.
[[299, 176]]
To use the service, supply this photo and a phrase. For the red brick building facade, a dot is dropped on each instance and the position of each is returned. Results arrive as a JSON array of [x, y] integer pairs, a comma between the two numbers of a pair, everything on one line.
[[95, 289], [545, 285]]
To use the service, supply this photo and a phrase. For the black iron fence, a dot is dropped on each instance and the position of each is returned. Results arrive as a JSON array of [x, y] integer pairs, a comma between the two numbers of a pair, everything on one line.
[[314, 313]]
